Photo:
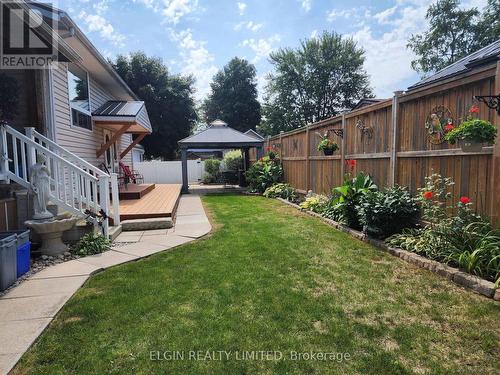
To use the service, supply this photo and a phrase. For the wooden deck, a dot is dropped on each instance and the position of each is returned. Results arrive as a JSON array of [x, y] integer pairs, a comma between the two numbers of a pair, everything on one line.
[[159, 202], [135, 191]]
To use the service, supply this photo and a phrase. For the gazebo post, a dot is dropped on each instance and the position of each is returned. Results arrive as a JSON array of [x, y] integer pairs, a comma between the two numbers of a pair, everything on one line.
[[185, 185]]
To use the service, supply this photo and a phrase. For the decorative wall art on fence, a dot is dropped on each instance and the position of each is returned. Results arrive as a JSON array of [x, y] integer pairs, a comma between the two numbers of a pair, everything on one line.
[[366, 131], [438, 123]]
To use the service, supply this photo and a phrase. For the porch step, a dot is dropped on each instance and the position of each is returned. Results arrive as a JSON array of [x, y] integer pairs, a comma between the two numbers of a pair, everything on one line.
[[146, 224], [114, 231], [135, 191]]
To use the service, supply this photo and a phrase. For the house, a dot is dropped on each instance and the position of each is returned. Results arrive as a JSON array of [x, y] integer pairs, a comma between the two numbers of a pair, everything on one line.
[[79, 112]]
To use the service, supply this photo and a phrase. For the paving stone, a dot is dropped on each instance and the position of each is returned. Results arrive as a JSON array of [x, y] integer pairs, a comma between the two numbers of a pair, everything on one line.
[[154, 232], [32, 307], [496, 297], [187, 230], [20, 334], [108, 259], [142, 249], [8, 361], [133, 236], [465, 279], [191, 219], [44, 287], [484, 287], [170, 241], [71, 268]]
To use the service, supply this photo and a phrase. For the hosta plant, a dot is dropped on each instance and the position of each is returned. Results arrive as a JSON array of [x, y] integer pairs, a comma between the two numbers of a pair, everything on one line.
[[91, 243], [316, 203], [281, 190]]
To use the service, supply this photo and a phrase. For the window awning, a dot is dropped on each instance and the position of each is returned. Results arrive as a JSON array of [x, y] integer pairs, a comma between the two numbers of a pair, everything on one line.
[[124, 116]]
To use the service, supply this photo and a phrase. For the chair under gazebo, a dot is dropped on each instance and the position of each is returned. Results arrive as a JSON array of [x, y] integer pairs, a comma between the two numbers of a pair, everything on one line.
[[218, 135]]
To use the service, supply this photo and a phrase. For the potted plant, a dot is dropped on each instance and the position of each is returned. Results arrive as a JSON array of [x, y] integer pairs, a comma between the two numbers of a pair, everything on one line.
[[472, 134], [326, 145]]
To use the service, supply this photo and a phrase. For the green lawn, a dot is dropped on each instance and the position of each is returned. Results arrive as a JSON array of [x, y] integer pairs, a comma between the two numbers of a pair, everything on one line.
[[270, 278]]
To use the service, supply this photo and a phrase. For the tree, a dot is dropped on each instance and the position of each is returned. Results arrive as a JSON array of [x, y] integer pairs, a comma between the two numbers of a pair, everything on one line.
[[453, 33], [168, 98], [233, 96], [318, 80]]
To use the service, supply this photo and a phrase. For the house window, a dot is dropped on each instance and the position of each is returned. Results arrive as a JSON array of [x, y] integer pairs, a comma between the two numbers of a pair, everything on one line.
[[78, 87]]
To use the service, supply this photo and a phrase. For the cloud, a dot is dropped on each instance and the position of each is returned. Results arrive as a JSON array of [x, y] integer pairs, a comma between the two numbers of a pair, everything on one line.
[[262, 47], [250, 25], [174, 10], [306, 4], [314, 34], [97, 23], [383, 17], [241, 8], [195, 60]]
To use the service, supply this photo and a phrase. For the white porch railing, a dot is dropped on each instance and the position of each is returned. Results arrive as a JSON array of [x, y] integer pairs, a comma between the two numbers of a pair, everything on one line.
[[76, 185]]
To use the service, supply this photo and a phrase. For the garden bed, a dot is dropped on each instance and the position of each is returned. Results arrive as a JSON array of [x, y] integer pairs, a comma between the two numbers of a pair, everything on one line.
[[477, 284]]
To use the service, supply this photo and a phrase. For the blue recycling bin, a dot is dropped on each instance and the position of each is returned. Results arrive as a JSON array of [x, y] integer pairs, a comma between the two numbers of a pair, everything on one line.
[[23, 250]]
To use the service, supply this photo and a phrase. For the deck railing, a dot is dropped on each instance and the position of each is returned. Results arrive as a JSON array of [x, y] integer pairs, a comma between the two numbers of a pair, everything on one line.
[[76, 185]]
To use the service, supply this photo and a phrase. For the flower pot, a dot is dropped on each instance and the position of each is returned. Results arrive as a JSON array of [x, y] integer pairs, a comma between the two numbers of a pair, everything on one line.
[[328, 151], [471, 146]]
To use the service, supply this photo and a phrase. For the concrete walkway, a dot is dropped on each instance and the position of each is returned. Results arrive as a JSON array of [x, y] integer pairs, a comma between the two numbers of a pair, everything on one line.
[[27, 309]]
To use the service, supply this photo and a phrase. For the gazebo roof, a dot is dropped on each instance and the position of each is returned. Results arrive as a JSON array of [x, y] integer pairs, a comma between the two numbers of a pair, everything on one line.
[[219, 135]]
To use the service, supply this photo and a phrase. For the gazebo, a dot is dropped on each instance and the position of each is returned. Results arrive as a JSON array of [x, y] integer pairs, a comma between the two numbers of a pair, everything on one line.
[[218, 136]]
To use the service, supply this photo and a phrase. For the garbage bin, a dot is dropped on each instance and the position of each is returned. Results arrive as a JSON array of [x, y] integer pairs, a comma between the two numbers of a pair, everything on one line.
[[22, 251], [8, 260]]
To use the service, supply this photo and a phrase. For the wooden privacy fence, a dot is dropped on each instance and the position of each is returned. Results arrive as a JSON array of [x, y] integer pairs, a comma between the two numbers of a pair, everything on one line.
[[389, 140]]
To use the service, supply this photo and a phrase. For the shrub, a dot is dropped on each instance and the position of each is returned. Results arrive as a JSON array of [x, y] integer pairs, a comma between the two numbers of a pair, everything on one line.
[[316, 203], [91, 243], [385, 213], [212, 170], [263, 174], [233, 160], [462, 239], [474, 130], [281, 190], [347, 197]]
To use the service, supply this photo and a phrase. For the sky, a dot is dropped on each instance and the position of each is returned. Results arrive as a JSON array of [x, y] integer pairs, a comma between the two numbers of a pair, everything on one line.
[[199, 37]]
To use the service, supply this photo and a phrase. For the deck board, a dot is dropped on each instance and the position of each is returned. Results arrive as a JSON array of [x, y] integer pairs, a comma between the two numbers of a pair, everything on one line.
[[159, 202]]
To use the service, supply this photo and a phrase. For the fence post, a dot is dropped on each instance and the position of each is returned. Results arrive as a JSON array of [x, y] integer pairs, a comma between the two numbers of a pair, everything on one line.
[[115, 199], [495, 162], [104, 202], [394, 138], [342, 150], [308, 152]]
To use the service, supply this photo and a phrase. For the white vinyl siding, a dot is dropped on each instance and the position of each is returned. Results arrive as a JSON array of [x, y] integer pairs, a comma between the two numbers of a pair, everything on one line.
[[82, 142]]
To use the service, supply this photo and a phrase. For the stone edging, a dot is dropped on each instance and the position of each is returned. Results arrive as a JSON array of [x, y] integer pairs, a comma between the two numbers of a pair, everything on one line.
[[477, 284]]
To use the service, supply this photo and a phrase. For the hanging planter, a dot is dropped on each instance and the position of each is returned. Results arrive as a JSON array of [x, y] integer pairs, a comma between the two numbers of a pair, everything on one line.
[[472, 135], [327, 146]]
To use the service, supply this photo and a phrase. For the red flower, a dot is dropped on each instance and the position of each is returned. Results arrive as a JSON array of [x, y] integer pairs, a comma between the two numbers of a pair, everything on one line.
[[351, 163], [474, 109], [449, 127], [465, 200], [428, 195]]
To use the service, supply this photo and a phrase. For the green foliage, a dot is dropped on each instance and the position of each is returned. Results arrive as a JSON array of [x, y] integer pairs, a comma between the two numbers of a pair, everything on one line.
[[233, 160], [326, 145], [233, 96], [168, 98], [453, 33], [212, 171], [9, 96], [263, 174], [318, 80], [91, 243], [281, 190], [385, 213], [316, 203], [463, 239], [347, 197], [473, 130]]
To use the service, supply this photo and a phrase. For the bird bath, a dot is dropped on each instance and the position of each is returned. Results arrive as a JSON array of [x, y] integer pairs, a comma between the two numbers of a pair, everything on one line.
[[51, 231]]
